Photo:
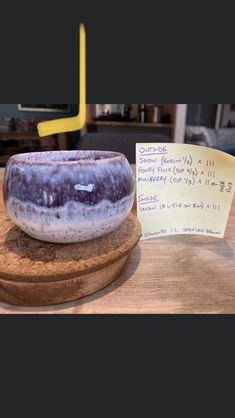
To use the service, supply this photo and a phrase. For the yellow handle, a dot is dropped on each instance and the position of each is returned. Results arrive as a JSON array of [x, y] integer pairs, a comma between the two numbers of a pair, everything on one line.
[[75, 122]]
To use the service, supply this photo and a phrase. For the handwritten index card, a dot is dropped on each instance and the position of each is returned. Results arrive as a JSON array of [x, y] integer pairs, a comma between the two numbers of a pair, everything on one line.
[[183, 189]]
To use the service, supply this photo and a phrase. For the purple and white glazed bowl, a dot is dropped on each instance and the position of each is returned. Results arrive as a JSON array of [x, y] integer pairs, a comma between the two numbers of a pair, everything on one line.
[[68, 196]]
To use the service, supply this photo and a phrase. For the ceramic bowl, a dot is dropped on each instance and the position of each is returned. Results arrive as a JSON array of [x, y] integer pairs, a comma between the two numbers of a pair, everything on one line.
[[68, 196]]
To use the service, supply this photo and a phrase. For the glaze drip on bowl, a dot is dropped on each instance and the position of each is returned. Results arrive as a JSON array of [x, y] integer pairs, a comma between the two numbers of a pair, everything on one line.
[[68, 196]]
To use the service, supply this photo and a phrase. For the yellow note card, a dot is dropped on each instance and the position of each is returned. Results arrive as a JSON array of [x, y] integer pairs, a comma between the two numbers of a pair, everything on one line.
[[183, 189]]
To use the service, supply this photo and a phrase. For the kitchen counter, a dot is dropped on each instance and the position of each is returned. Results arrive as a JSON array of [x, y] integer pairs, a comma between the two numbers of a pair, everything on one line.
[[176, 274]]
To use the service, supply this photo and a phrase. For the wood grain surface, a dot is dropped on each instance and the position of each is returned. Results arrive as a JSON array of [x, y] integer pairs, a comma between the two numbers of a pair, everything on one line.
[[177, 274]]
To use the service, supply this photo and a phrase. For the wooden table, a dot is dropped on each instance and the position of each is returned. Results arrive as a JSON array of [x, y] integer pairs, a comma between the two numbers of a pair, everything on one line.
[[177, 274]]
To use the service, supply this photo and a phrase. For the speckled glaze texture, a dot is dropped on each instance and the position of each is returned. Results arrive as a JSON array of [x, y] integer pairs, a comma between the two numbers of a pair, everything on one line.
[[68, 196]]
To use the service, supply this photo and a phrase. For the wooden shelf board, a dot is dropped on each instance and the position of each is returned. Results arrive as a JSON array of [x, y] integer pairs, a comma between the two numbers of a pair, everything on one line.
[[19, 135], [134, 124]]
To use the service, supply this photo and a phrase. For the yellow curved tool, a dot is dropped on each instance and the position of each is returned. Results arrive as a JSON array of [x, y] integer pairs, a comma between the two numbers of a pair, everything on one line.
[[77, 122]]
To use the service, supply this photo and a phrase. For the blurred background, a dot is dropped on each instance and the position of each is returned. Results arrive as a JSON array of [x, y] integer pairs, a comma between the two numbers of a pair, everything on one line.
[[117, 127]]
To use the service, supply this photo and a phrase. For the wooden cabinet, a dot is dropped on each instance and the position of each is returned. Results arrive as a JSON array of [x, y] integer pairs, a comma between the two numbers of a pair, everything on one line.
[[17, 142]]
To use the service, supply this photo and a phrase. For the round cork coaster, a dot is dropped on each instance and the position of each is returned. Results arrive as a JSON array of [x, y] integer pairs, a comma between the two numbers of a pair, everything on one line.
[[35, 273]]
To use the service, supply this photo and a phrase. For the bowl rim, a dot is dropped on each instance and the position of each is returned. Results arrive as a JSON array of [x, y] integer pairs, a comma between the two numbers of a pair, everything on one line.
[[31, 158]]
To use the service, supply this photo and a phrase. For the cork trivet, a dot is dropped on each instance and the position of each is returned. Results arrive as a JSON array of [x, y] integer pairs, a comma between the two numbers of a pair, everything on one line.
[[34, 272]]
